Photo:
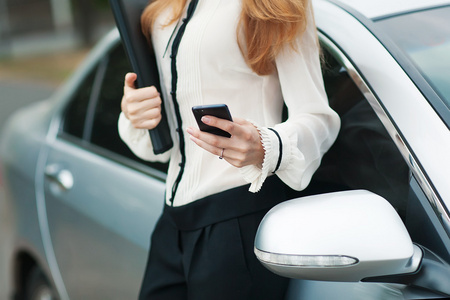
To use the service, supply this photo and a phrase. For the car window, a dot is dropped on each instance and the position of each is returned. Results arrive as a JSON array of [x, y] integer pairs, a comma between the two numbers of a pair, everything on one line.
[[106, 111], [92, 115], [364, 156], [107, 107], [75, 113]]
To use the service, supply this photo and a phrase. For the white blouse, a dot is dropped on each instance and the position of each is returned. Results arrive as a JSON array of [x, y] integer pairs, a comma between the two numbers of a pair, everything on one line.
[[212, 70]]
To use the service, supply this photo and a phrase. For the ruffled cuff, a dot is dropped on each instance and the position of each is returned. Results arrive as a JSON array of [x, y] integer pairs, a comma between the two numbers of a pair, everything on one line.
[[255, 175]]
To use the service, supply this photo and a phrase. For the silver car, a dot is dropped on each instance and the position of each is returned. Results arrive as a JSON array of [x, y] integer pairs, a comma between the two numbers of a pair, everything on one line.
[[374, 223]]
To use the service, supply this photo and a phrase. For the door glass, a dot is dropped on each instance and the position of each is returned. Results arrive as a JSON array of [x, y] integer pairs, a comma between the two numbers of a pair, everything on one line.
[[364, 156], [104, 130], [75, 114]]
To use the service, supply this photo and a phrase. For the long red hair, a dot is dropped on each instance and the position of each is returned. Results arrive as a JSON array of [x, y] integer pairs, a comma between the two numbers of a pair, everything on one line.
[[267, 26]]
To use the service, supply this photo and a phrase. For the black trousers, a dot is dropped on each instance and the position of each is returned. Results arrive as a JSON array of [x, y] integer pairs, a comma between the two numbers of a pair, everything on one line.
[[215, 261]]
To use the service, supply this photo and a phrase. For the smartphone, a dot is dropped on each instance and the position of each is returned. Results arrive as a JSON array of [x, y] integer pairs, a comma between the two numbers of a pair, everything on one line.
[[217, 110]]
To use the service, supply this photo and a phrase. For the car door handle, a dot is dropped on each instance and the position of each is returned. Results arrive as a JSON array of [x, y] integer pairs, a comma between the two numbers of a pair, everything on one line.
[[60, 176]]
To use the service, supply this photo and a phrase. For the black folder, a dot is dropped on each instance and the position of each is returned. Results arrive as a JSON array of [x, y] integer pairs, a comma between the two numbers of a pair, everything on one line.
[[127, 14]]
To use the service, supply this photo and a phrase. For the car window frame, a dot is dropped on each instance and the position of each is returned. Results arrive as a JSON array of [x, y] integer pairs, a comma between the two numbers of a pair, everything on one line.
[[94, 98]]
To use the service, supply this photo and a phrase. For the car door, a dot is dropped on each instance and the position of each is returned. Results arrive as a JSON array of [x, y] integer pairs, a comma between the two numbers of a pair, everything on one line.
[[101, 201]]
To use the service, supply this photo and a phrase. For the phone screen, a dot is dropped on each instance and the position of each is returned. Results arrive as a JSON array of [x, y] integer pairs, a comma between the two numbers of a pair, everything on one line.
[[217, 110]]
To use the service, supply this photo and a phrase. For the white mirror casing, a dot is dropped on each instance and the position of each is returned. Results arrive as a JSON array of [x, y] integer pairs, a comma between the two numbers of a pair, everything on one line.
[[344, 236]]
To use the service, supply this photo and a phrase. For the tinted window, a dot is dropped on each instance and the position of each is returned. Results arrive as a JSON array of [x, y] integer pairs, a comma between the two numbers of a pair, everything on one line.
[[92, 114], [75, 114], [364, 156], [104, 132], [107, 109]]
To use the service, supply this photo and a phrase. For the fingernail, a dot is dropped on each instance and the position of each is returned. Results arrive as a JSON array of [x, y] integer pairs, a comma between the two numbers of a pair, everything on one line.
[[189, 130], [206, 120]]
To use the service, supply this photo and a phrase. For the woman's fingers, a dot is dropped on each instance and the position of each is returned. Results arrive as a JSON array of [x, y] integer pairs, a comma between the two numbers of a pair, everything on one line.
[[141, 106], [210, 139], [133, 94], [243, 148], [142, 94], [130, 79], [223, 124], [140, 113], [227, 153], [208, 147], [147, 123]]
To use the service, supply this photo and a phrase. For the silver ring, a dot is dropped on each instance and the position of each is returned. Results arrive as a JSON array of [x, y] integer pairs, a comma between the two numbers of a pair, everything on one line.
[[221, 155]]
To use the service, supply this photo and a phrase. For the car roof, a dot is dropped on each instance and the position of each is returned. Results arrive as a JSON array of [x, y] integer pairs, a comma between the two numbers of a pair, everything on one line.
[[379, 8]]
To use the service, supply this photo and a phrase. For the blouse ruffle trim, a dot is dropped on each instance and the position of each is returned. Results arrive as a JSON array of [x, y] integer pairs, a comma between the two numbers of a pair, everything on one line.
[[253, 174]]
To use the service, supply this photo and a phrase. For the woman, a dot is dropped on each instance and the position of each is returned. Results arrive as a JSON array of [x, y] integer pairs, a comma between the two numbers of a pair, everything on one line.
[[251, 55]]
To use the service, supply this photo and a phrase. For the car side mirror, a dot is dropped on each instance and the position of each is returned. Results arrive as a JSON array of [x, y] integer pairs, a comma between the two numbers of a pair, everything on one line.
[[345, 236]]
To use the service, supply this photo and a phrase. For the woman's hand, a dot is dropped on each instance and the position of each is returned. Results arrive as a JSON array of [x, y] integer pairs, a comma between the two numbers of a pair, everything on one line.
[[243, 148], [141, 106]]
